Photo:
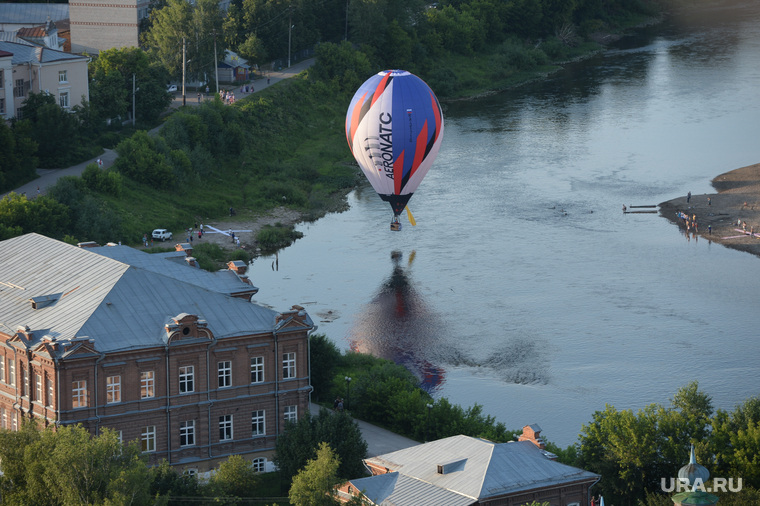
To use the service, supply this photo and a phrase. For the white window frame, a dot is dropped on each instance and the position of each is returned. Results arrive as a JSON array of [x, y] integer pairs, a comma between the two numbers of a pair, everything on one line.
[[63, 99], [37, 387], [63, 76], [186, 379], [12, 372], [259, 423], [113, 389], [224, 370], [187, 433], [2, 369], [50, 392], [259, 465], [291, 414], [24, 380], [288, 365], [147, 384], [225, 428], [79, 394], [257, 369], [3, 418], [148, 439]]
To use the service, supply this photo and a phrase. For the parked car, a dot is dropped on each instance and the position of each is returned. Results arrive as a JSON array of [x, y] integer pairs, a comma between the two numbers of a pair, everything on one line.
[[161, 233], [171, 88]]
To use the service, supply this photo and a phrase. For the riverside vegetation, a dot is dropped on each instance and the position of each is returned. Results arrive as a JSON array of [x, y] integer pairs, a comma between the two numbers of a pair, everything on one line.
[[284, 146]]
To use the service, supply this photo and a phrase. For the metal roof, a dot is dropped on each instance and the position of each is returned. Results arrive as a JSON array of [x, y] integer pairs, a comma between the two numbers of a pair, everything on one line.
[[480, 469], [173, 265], [23, 53], [32, 14], [121, 307], [400, 490]]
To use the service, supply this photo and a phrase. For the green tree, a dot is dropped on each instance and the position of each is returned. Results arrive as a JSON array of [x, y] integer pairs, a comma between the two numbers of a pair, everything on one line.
[[69, 466], [43, 215], [314, 484], [735, 443], [17, 160], [299, 442], [139, 161], [235, 477], [192, 24], [166, 481], [112, 74], [55, 131], [324, 356]]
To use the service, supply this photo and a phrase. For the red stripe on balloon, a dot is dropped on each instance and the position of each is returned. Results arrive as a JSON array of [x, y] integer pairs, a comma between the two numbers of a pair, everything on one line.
[[381, 87], [398, 173], [437, 113], [355, 118], [419, 149]]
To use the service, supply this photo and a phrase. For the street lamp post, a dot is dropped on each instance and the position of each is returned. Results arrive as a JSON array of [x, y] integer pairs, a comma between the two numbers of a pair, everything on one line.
[[348, 390]]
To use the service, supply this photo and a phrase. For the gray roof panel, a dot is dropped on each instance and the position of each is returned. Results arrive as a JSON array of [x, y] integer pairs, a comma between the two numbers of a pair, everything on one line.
[[32, 14], [488, 469], [173, 265], [119, 306]]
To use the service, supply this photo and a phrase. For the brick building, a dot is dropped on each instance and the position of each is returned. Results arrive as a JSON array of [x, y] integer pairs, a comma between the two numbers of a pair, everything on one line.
[[179, 360], [97, 25]]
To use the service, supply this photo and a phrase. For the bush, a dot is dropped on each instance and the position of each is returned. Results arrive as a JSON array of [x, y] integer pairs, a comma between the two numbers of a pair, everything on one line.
[[271, 238]]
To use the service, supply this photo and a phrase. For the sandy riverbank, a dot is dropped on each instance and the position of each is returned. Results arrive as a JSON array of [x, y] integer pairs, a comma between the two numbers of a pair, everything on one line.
[[738, 198], [244, 227]]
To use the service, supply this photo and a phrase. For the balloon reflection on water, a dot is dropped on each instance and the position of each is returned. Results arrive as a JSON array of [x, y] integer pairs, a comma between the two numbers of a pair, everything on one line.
[[399, 326]]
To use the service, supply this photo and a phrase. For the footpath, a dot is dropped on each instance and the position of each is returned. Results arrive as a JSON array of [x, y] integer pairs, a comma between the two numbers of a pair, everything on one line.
[[48, 177], [379, 441]]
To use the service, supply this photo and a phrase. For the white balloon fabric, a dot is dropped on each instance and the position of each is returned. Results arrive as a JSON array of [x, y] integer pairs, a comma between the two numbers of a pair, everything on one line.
[[394, 127]]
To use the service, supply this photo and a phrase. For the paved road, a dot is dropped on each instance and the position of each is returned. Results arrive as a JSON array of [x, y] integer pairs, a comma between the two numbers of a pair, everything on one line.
[[48, 177], [379, 441]]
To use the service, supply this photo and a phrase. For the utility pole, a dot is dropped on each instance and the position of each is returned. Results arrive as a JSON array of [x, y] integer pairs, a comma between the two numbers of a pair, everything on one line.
[[134, 112], [216, 66], [290, 29], [183, 72]]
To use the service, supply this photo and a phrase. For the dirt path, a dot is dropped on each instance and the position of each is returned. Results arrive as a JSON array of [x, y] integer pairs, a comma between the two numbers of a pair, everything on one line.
[[738, 199]]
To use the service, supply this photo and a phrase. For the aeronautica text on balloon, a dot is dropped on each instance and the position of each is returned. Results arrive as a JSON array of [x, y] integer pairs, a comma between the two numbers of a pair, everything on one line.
[[386, 142]]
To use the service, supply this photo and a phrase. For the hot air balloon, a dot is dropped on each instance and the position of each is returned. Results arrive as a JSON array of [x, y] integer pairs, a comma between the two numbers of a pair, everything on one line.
[[394, 127]]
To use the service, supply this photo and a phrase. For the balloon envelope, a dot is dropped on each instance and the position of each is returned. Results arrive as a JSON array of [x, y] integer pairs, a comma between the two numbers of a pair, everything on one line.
[[394, 127]]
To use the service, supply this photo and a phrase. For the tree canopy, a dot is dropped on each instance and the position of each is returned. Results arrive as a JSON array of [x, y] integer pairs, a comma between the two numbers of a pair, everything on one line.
[[300, 440]]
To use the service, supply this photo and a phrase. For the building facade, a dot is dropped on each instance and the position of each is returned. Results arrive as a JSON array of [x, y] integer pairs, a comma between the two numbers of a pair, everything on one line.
[[97, 25], [35, 69], [192, 374]]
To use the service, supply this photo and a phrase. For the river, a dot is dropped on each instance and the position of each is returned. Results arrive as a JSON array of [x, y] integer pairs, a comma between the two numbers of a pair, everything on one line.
[[523, 287]]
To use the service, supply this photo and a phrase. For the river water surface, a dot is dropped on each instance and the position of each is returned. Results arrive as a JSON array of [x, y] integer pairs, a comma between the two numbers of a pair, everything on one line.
[[523, 287]]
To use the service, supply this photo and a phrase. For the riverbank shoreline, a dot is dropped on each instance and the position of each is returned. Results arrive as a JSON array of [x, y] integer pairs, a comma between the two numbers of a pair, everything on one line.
[[718, 214]]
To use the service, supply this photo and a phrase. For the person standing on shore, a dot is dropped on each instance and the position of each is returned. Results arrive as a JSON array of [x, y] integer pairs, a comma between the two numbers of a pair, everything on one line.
[[688, 197]]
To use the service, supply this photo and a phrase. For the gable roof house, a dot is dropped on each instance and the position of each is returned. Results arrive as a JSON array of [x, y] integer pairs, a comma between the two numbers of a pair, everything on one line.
[[42, 70], [189, 368], [464, 471], [43, 25]]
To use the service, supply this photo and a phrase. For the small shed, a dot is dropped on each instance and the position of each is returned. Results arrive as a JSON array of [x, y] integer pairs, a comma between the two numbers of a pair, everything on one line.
[[234, 69]]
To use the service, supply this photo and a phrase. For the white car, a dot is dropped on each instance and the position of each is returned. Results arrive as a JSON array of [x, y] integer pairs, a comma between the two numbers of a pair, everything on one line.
[[161, 233], [171, 88]]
